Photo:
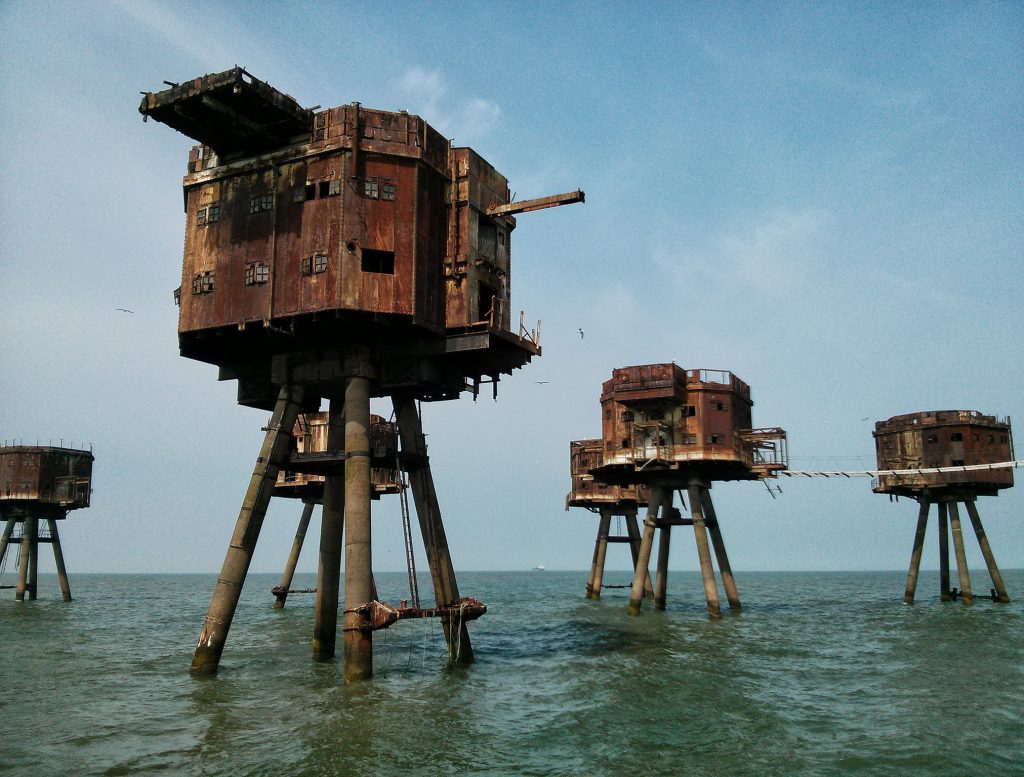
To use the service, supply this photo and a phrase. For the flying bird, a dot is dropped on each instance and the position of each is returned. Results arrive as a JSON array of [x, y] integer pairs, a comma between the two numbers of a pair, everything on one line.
[[125, 310], [540, 382], [581, 334]]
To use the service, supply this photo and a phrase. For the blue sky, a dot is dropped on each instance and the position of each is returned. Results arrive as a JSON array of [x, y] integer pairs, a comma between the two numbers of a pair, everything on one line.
[[823, 198]]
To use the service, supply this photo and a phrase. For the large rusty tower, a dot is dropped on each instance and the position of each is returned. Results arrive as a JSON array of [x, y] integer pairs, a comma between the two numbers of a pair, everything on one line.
[[40, 485], [340, 254], [669, 428], [619, 502], [942, 458]]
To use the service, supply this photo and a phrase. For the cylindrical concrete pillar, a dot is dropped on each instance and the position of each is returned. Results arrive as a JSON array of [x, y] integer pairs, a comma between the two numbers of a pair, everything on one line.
[[943, 553], [358, 555], [643, 558], [986, 551], [293, 556], [58, 558], [961, 554], [707, 571], [28, 530], [664, 540], [732, 593], [633, 530], [915, 554], [600, 553], [5, 539], [247, 531], [328, 577]]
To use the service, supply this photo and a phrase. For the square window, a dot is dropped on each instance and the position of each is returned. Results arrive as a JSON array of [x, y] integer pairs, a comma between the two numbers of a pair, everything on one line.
[[370, 189], [320, 263], [378, 261], [307, 265], [301, 194], [956, 437], [334, 188], [177, 296], [261, 203], [387, 191], [719, 405], [213, 214], [201, 216]]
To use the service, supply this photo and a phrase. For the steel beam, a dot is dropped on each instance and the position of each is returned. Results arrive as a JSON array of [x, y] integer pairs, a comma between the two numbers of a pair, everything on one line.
[[58, 558], [732, 593], [707, 571], [293, 556], [664, 540], [600, 553]]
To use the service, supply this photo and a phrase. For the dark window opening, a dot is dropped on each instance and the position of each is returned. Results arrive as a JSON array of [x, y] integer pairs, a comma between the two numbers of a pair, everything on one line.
[[378, 261], [625, 442], [991, 438], [718, 405], [715, 440], [933, 438], [486, 302], [957, 437], [627, 415], [958, 462], [330, 188], [319, 127], [688, 411]]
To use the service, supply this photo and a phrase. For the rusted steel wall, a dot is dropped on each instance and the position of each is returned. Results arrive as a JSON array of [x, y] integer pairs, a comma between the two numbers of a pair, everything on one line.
[[478, 267], [661, 411], [373, 211], [310, 436], [588, 491], [46, 476], [943, 438]]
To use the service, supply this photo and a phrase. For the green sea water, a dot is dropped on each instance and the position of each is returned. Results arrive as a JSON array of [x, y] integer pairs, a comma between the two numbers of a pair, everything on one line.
[[821, 674]]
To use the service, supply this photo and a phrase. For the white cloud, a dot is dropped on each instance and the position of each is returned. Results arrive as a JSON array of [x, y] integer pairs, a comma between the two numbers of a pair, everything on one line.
[[427, 92]]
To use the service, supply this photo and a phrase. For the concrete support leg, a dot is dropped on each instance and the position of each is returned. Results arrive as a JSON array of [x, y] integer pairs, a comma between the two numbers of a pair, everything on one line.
[[943, 554], [633, 530], [428, 513], [643, 557], [58, 558], [664, 540], [961, 554], [707, 571], [986, 551], [328, 577], [915, 554], [28, 531], [247, 531], [732, 593], [5, 539], [358, 550], [33, 561], [600, 553], [293, 557]]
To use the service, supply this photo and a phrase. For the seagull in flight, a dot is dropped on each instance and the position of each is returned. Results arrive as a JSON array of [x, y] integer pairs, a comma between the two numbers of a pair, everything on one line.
[[540, 382], [125, 310], [581, 334]]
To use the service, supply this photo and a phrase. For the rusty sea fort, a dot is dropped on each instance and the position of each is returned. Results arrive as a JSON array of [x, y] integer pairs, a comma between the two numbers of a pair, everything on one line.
[[822, 673]]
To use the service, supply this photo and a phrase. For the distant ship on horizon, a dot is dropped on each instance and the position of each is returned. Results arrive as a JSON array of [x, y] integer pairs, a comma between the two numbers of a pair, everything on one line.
[[539, 567]]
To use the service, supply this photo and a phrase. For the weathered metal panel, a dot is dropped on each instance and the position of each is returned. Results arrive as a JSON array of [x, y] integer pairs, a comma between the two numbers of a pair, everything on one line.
[[45, 476], [943, 438]]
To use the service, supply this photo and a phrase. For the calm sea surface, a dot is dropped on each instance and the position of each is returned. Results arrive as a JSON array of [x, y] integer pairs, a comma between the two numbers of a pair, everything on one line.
[[822, 673]]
